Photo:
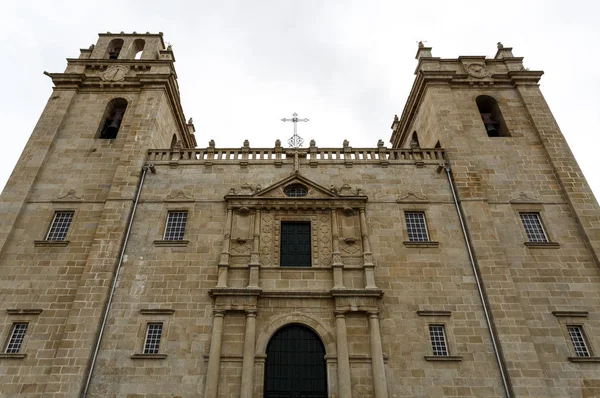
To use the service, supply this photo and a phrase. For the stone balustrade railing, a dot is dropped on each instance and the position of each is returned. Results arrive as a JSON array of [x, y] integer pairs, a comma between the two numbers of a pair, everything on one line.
[[312, 155]]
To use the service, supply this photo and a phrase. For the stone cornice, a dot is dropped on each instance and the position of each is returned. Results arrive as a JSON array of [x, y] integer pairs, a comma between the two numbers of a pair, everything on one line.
[[355, 202]]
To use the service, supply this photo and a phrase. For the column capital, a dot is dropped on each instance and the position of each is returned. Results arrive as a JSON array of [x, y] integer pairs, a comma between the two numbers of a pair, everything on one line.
[[339, 313], [251, 313], [373, 314], [219, 313]]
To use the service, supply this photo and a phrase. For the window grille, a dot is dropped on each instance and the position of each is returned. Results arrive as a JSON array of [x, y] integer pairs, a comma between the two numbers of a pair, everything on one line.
[[16, 338], [416, 227], [153, 335], [60, 225], [438, 340], [295, 250], [533, 227], [175, 229], [578, 340], [295, 190]]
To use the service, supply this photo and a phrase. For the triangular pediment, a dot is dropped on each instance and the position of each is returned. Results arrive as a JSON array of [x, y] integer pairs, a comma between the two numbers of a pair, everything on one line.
[[315, 191]]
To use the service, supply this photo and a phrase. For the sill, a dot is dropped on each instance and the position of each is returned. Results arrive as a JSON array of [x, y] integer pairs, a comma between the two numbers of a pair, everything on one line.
[[434, 313], [584, 359], [148, 356], [444, 358], [24, 311], [429, 243], [542, 245], [570, 314], [50, 243], [12, 356], [171, 243], [157, 311]]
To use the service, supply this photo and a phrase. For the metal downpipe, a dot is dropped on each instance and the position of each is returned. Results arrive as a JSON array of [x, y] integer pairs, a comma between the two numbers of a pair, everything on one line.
[[114, 283], [482, 297]]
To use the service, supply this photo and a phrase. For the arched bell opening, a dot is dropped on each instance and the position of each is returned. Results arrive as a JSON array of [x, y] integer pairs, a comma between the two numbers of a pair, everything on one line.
[[113, 116]]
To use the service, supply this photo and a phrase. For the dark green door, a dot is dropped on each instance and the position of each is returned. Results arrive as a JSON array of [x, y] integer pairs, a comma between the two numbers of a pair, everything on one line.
[[295, 365], [295, 244]]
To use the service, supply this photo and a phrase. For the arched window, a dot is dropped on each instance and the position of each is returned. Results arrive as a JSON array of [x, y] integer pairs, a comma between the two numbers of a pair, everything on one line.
[[113, 116], [114, 48], [138, 48], [295, 364], [491, 116]]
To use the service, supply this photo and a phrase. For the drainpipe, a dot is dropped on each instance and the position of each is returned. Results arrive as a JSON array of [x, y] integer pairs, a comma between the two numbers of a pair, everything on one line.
[[482, 297], [115, 279]]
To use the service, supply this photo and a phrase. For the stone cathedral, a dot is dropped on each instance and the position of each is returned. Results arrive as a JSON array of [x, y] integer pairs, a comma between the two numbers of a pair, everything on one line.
[[462, 260]]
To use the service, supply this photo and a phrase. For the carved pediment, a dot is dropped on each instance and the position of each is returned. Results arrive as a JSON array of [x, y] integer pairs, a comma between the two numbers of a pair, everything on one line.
[[276, 190]]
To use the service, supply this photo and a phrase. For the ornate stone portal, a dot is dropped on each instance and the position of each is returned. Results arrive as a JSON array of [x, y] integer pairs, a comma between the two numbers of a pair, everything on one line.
[[250, 272]]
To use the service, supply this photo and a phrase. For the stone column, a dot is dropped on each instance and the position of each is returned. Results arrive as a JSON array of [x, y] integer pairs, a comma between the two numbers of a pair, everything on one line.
[[255, 255], [247, 388], [343, 358], [377, 366], [337, 264], [224, 260], [367, 256], [214, 359]]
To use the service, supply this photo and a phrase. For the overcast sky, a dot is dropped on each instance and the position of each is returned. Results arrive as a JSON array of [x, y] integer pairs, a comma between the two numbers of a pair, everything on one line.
[[348, 66]]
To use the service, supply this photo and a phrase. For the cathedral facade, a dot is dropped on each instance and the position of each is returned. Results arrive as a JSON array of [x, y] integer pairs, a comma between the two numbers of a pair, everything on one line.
[[461, 261]]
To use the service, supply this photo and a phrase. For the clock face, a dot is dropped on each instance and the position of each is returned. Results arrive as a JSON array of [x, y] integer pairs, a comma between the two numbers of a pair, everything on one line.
[[115, 73]]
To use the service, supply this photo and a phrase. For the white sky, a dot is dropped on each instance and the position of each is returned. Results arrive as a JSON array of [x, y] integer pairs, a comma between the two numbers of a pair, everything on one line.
[[347, 66]]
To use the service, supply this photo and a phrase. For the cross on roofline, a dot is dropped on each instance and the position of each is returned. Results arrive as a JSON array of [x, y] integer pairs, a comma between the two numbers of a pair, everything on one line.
[[295, 141]]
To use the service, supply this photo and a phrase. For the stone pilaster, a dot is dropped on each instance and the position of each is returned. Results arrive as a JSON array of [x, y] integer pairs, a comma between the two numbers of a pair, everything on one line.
[[214, 359], [379, 379], [343, 357], [247, 387]]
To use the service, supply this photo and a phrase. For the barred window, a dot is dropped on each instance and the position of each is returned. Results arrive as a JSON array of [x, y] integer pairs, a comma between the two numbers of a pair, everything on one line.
[[60, 225], [175, 229], [416, 227], [578, 340], [438, 340], [533, 227], [16, 338], [153, 335]]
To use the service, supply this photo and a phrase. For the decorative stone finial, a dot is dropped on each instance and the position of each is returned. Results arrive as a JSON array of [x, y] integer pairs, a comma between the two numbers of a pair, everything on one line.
[[277, 143], [92, 47], [346, 143], [421, 45], [169, 48], [211, 143], [313, 143], [246, 144], [380, 144], [191, 121], [396, 118], [500, 46]]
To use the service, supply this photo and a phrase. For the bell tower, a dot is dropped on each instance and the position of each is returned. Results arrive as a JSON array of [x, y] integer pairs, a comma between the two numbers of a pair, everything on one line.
[[119, 98]]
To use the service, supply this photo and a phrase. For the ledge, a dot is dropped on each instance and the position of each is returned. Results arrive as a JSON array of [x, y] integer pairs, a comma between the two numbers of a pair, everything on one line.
[[574, 314], [12, 356], [584, 359], [542, 245], [50, 243], [429, 243], [148, 356], [157, 311], [434, 313], [171, 243], [24, 311], [444, 358]]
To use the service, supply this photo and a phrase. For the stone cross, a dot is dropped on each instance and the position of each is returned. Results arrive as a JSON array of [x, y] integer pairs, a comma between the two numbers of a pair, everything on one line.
[[295, 141]]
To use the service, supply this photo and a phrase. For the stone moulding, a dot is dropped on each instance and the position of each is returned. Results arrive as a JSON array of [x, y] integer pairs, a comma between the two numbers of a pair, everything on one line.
[[571, 314], [50, 243], [157, 311], [444, 358], [429, 243], [148, 356], [24, 311], [12, 356], [172, 243], [434, 313], [542, 245], [584, 359]]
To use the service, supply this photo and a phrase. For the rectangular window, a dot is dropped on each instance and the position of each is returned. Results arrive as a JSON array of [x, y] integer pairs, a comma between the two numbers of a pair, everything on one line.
[[153, 335], [578, 340], [533, 227], [175, 229], [416, 227], [60, 225], [438, 340], [16, 338], [295, 244]]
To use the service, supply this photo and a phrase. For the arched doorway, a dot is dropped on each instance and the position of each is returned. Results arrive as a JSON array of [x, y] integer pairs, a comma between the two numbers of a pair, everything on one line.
[[295, 366]]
